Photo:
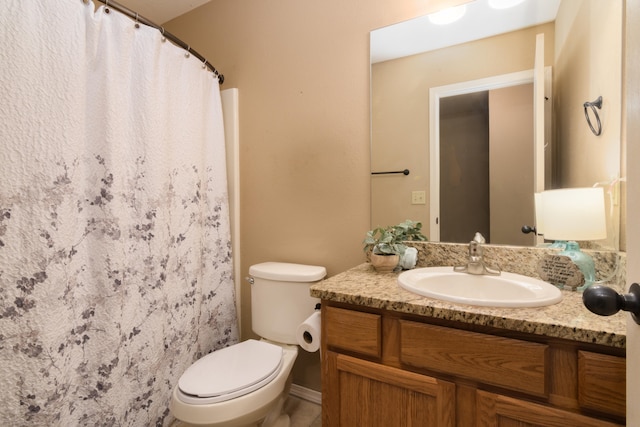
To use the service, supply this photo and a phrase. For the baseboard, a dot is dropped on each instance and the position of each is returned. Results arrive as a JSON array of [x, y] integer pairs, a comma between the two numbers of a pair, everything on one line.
[[306, 393]]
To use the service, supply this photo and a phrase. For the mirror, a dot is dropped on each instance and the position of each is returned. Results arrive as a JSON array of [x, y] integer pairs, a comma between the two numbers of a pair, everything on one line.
[[583, 49]]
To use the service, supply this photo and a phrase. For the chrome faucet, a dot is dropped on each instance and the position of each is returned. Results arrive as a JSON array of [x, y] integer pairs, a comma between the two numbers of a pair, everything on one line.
[[476, 263]]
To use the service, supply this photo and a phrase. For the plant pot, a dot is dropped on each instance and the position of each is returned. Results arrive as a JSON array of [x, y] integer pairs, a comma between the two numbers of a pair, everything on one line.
[[384, 263]]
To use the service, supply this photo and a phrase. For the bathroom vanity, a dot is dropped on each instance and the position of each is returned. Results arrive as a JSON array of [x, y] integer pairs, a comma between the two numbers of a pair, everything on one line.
[[394, 358]]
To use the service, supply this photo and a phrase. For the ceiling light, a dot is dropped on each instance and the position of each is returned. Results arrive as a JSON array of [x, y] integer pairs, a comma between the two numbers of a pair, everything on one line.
[[504, 4], [447, 16]]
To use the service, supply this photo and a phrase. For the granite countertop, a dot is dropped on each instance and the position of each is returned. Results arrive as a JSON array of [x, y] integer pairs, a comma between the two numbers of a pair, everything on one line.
[[568, 319]]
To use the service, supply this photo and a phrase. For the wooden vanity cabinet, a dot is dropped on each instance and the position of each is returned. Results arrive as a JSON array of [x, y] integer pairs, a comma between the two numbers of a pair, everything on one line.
[[382, 368]]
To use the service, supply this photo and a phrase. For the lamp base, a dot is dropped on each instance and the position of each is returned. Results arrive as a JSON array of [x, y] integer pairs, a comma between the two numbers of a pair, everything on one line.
[[583, 261], [560, 244]]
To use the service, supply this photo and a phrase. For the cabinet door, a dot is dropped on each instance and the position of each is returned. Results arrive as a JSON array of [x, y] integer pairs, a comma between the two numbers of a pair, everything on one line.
[[369, 394], [602, 383], [494, 410]]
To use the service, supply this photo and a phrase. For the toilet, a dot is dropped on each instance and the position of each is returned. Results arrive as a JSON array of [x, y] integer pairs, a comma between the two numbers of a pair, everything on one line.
[[246, 384]]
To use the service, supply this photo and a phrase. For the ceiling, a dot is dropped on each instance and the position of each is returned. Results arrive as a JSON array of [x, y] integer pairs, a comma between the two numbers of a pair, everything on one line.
[[480, 21], [161, 11]]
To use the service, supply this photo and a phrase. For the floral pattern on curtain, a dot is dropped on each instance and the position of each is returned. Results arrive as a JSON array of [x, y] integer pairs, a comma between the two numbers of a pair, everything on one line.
[[115, 252]]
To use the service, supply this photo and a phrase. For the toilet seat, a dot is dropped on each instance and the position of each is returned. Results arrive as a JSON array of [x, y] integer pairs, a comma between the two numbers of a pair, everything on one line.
[[230, 372]]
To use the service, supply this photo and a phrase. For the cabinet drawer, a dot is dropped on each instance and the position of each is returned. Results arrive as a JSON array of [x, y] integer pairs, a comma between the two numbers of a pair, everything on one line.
[[352, 331], [602, 382], [496, 410], [505, 362]]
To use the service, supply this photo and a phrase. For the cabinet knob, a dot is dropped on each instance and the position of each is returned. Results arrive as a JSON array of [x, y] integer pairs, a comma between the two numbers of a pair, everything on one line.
[[606, 301]]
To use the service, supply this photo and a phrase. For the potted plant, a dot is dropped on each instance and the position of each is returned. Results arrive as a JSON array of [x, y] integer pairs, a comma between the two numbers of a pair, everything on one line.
[[387, 243]]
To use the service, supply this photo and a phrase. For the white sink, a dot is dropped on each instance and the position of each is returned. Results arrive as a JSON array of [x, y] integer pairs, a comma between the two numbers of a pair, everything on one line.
[[505, 290]]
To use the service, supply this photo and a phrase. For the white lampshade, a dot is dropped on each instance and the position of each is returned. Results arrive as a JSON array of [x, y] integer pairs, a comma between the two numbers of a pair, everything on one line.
[[572, 214]]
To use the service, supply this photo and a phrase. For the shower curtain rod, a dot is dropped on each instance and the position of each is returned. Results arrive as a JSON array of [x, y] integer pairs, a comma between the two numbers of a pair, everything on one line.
[[141, 19]]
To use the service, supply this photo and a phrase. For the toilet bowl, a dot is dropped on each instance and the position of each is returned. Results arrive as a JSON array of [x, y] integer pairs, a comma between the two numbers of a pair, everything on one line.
[[247, 383], [247, 409]]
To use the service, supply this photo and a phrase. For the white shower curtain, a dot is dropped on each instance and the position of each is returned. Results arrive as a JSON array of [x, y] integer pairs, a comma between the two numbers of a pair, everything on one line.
[[115, 255]]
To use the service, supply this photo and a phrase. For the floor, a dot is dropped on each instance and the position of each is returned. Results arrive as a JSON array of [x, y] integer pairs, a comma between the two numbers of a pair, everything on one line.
[[302, 413]]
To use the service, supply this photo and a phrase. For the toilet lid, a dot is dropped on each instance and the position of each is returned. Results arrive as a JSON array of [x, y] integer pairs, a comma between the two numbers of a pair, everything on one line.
[[232, 371]]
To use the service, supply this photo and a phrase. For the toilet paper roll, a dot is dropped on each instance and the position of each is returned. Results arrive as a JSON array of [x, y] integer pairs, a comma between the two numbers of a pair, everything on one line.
[[308, 333]]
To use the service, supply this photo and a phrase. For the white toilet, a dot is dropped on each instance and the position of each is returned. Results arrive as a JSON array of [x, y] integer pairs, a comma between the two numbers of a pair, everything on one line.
[[247, 384]]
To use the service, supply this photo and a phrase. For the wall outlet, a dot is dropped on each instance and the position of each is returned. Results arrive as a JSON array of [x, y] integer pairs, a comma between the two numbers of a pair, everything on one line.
[[418, 198]]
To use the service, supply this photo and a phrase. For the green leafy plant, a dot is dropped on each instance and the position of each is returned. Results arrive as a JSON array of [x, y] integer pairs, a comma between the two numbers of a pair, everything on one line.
[[389, 240]]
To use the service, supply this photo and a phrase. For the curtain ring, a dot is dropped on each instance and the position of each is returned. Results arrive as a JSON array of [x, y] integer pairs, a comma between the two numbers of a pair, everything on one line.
[[204, 64], [163, 39], [593, 105], [106, 6], [137, 24], [188, 52]]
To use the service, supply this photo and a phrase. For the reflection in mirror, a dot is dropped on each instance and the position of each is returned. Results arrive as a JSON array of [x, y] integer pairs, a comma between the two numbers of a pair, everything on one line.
[[586, 64], [481, 149], [497, 168]]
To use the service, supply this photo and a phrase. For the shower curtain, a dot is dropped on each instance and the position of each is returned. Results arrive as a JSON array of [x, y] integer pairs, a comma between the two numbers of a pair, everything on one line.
[[115, 256]]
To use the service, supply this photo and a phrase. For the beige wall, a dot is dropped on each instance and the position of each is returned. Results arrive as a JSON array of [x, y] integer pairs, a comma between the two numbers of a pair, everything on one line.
[[302, 70], [588, 64], [400, 111]]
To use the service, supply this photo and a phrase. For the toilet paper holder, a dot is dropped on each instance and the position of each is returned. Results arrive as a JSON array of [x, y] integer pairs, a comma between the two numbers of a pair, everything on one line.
[[308, 333], [306, 336]]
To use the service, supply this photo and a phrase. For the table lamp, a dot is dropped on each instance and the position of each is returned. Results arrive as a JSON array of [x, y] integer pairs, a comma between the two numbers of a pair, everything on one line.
[[539, 213], [574, 214]]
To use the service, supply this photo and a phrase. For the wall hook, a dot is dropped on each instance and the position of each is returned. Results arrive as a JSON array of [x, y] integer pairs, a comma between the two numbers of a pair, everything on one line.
[[593, 105]]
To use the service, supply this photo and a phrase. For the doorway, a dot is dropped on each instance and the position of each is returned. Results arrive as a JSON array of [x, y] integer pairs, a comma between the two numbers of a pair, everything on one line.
[[486, 172], [464, 167]]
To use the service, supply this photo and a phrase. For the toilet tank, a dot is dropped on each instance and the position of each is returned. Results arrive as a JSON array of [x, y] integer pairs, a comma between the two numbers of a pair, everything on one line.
[[280, 299]]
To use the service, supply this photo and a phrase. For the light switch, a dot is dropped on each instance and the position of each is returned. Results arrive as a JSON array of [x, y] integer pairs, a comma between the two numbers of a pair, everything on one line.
[[418, 198]]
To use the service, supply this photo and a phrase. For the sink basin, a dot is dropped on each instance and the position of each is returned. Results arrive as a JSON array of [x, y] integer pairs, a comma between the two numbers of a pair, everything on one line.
[[505, 290]]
